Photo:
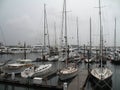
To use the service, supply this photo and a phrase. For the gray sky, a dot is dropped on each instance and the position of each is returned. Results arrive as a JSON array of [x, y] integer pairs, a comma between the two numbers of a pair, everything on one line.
[[22, 20]]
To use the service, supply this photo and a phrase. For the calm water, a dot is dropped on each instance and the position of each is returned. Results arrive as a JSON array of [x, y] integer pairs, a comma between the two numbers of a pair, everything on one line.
[[54, 80]]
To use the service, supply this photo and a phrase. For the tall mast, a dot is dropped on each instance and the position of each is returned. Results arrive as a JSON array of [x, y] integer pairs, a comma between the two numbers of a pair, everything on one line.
[[66, 43], [61, 41], [90, 37], [101, 52], [55, 33], [47, 29], [44, 27], [65, 26], [77, 32], [47, 33], [115, 37]]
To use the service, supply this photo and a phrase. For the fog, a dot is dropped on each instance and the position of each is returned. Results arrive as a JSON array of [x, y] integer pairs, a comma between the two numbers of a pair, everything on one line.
[[22, 20]]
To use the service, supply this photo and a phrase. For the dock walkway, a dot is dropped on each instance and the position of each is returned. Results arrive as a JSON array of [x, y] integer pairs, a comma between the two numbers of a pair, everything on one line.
[[79, 82]]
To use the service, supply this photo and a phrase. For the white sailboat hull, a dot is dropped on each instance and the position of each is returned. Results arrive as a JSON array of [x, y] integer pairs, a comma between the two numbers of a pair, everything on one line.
[[68, 74], [101, 76], [53, 58], [40, 71]]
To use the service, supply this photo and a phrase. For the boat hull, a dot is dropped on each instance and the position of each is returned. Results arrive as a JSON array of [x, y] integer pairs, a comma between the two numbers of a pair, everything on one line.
[[67, 76], [42, 73], [101, 82], [34, 72]]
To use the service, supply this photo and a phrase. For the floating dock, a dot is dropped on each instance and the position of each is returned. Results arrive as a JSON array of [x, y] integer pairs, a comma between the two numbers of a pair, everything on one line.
[[28, 82], [79, 82]]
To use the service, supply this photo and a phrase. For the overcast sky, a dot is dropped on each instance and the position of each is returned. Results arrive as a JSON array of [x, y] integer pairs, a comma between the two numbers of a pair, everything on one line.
[[22, 20]]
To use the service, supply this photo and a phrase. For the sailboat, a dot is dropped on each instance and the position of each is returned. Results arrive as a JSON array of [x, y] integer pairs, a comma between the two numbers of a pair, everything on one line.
[[19, 65], [115, 58], [90, 59], [36, 71], [40, 69], [77, 55], [101, 75], [69, 71], [74, 55], [54, 55]]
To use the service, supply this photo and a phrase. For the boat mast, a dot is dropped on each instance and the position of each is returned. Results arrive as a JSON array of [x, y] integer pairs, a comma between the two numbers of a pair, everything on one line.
[[55, 34], [66, 43], [77, 32], [90, 37], [101, 52], [61, 41], [115, 37], [48, 34], [44, 27], [47, 31], [24, 50]]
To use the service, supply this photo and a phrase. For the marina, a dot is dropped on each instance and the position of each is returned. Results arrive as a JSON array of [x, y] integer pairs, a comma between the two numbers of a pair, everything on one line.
[[51, 80], [19, 81], [59, 45]]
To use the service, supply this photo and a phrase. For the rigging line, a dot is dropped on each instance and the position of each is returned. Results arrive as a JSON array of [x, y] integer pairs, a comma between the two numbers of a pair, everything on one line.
[[2, 33]]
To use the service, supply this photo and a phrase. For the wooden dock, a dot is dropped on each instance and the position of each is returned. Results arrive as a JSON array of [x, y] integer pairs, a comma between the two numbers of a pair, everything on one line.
[[79, 82]]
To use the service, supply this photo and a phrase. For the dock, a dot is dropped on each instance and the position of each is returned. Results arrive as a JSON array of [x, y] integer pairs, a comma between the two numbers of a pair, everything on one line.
[[79, 82], [28, 83]]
